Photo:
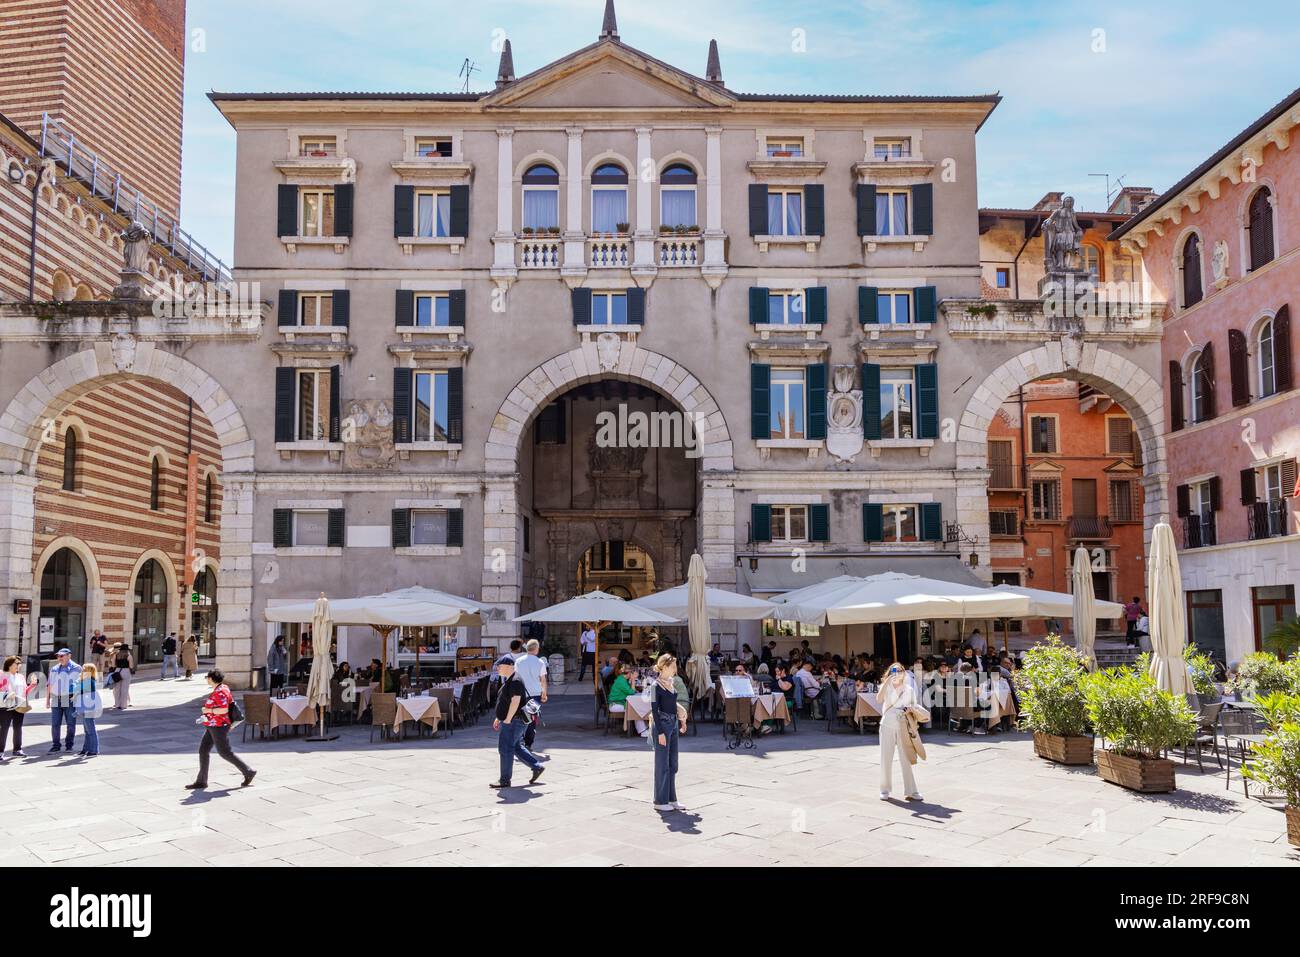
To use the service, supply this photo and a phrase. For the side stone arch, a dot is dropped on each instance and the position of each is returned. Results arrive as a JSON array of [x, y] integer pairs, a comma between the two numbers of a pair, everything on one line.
[[24, 422], [1121, 379], [610, 358]]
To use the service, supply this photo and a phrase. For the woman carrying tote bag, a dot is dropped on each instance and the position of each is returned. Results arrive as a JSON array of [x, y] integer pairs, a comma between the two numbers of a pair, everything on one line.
[[14, 705], [899, 715]]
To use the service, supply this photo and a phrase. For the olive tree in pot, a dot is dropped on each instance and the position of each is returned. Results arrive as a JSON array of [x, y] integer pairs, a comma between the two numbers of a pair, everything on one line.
[[1052, 702], [1141, 723], [1275, 761]]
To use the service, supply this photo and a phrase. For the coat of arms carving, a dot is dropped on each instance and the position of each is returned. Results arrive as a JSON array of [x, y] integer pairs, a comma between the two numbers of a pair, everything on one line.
[[367, 433]]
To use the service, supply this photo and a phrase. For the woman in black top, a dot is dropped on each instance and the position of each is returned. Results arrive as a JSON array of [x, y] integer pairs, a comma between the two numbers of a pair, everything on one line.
[[667, 723]]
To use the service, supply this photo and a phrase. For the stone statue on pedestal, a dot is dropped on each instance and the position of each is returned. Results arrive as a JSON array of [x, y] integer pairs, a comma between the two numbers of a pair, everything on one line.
[[136, 280], [1062, 240]]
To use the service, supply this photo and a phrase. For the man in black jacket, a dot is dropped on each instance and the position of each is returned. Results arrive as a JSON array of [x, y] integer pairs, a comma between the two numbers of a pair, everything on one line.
[[169, 656], [511, 722]]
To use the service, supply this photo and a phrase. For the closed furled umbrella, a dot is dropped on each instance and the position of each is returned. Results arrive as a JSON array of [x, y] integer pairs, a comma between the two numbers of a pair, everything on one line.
[[1168, 622], [322, 668], [1085, 615], [697, 622]]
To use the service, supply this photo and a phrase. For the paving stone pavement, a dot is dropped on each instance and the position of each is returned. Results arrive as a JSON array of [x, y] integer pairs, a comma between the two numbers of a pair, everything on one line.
[[808, 797]]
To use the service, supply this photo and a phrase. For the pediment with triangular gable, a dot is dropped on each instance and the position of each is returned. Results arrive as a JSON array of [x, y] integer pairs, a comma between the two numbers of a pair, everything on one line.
[[609, 75]]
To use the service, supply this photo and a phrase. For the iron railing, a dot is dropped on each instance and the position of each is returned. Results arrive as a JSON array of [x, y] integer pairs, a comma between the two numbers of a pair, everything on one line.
[[60, 144], [1266, 519], [1199, 531], [1089, 527]]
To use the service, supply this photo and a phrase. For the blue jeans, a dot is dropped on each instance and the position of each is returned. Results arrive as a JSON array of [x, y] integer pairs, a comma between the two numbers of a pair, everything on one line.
[[665, 766], [59, 714], [510, 745], [92, 736], [169, 661]]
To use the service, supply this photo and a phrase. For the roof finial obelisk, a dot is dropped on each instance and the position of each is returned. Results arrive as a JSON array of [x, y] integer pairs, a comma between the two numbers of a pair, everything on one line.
[[713, 71], [609, 26], [506, 71]]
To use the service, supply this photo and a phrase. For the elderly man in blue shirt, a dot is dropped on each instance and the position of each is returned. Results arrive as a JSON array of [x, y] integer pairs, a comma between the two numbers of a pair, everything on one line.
[[64, 673]]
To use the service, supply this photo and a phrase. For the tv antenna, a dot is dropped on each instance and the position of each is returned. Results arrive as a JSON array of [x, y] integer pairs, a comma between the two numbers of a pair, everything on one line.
[[467, 69], [1111, 194]]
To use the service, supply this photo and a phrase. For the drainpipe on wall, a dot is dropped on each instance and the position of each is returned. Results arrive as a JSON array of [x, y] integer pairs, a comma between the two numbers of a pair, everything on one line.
[[31, 269], [1015, 263]]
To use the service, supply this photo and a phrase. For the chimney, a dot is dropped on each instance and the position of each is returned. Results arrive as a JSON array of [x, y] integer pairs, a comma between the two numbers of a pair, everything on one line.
[[609, 26], [506, 71], [713, 71]]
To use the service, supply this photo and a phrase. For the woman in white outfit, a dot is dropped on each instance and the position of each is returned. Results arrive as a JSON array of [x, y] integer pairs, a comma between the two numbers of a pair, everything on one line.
[[896, 696]]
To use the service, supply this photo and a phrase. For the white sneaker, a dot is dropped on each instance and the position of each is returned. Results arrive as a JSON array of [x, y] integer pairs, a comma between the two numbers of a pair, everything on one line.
[[679, 806], [915, 797], [665, 807], [884, 796]]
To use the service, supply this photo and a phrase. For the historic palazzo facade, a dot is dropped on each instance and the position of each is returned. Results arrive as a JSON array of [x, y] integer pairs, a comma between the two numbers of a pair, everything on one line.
[[773, 300]]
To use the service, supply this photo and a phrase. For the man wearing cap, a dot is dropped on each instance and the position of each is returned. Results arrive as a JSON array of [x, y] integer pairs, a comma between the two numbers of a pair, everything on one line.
[[511, 722], [63, 675]]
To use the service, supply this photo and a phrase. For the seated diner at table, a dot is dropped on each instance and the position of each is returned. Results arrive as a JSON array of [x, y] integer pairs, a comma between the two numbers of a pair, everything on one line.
[[619, 692]]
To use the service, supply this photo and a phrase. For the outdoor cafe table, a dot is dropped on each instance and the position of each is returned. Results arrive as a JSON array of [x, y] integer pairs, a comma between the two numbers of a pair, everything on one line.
[[867, 706], [295, 709], [770, 707], [637, 708], [422, 708], [999, 708]]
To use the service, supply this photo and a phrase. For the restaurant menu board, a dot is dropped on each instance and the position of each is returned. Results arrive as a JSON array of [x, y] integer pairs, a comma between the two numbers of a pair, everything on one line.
[[736, 686]]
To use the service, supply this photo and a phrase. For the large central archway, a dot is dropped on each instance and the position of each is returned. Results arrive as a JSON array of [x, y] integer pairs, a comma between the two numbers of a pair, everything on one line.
[[1124, 381], [608, 358]]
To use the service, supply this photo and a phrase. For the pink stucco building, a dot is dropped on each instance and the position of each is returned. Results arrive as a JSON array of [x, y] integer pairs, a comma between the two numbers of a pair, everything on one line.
[[1222, 248]]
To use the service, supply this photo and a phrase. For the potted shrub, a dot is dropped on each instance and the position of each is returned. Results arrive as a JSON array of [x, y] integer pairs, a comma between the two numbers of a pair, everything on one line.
[[1052, 702], [553, 230], [622, 228], [1259, 673], [1275, 761], [665, 229], [1141, 722], [527, 231]]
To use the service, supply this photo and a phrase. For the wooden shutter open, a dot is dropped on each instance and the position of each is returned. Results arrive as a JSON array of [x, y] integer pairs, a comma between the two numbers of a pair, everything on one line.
[[402, 405], [285, 380], [1177, 418], [1238, 368], [819, 522], [403, 211], [282, 528], [335, 528], [758, 300], [401, 528], [757, 209], [870, 401], [286, 218], [760, 401], [1282, 361], [456, 308], [927, 400], [866, 196], [344, 201], [931, 522], [923, 209], [760, 523], [816, 382], [455, 528], [456, 404], [868, 305], [458, 215], [814, 210], [873, 522]]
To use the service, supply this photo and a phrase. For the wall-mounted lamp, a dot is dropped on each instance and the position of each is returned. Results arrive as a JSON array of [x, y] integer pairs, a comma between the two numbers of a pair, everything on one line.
[[753, 563], [974, 559]]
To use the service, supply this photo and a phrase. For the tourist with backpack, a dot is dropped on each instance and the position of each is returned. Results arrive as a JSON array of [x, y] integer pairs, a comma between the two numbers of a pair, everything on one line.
[[511, 722], [219, 713]]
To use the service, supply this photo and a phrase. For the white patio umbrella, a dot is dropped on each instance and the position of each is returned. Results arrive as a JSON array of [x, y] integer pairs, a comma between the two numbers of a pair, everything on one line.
[[598, 606], [719, 604], [1060, 604], [322, 668], [1168, 623], [892, 597], [1085, 615]]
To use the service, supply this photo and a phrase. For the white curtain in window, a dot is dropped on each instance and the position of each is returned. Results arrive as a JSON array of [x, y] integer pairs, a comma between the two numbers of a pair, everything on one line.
[[541, 208], [677, 207], [444, 215], [608, 209], [424, 224]]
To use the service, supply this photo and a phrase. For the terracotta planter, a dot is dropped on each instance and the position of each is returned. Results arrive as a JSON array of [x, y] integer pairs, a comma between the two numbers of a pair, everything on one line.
[[1148, 775], [1293, 824], [1074, 749]]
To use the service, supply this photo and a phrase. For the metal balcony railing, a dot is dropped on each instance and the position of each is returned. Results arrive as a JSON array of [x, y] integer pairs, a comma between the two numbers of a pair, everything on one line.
[[60, 144], [1199, 531], [1266, 519], [1089, 527]]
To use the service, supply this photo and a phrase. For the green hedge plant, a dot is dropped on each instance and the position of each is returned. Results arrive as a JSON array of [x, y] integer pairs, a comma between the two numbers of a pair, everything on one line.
[[1199, 668], [1051, 698], [1275, 761], [1261, 673], [1136, 717]]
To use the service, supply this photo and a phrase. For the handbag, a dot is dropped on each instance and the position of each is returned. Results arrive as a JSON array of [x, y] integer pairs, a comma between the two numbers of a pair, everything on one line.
[[110, 679], [234, 713]]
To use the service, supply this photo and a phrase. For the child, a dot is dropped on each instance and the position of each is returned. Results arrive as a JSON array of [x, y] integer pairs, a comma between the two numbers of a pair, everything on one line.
[[88, 706]]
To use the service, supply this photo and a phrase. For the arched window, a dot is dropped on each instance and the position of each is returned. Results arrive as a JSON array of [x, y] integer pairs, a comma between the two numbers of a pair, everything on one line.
[[608, 198], [541, 205], [208, 503], [63, 595], [155, 484], [70, 460], [1266, 360], [1259, 227], [1191, 268], [677, 196]]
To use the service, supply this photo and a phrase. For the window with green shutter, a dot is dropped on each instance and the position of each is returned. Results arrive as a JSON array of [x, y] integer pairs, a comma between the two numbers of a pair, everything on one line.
[[819, 523], [872, 522], [760, 399], [870, 401], [815, 377], [923, 209], [927, 401], [760, 523], [931, 522]]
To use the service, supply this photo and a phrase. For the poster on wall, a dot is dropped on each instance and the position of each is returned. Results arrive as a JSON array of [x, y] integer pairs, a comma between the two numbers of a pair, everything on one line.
[[45, 635]]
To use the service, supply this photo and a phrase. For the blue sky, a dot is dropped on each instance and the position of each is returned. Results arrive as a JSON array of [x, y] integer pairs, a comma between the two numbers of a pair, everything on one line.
[[1143, 91]]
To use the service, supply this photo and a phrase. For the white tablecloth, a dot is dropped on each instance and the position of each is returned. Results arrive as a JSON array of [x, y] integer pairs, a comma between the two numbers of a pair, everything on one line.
[[295, 709], [418, 708]]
